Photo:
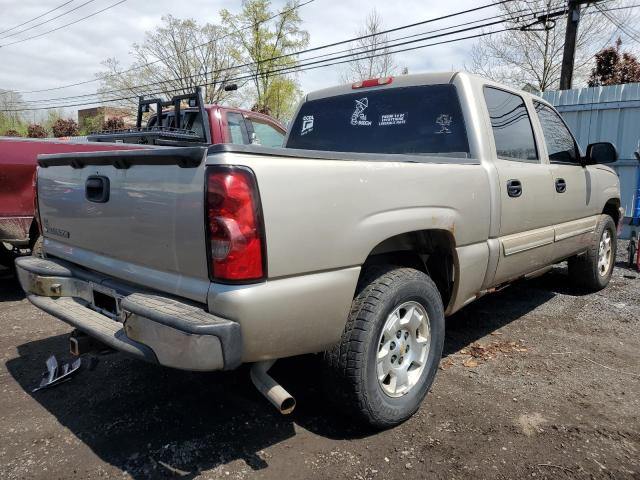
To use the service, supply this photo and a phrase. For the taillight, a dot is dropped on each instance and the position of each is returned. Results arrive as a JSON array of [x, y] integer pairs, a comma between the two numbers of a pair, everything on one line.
[[372, 82], [234, 224]]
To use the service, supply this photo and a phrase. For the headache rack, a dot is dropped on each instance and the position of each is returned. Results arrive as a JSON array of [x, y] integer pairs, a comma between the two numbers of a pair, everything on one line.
[[159, 134]]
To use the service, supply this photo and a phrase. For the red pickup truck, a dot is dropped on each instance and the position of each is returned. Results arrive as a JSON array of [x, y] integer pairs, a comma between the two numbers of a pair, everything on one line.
[[205, 124]]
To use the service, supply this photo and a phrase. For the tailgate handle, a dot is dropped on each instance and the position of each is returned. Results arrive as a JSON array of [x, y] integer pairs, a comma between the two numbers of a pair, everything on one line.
[[97, 189]]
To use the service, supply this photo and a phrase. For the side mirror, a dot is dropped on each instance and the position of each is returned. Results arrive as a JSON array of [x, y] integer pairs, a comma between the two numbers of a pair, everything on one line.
[[601, 152]]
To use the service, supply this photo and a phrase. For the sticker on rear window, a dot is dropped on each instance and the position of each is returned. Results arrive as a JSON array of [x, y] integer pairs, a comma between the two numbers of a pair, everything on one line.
[[307, 124], [358, 117], [445, 121], [392, 119]]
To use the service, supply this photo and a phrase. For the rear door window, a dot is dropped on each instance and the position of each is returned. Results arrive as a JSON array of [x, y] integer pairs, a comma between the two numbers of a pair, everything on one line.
[[265, 134], [420, 120], [236, 129], [511, 125]]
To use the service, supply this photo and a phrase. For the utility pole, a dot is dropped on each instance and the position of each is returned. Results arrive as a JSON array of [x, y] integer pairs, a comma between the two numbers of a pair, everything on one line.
[[570, 36], [569, 54]]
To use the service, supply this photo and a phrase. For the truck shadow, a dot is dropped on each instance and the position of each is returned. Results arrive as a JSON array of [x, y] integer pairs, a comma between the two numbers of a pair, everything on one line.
[[155, 422], [10, 290]]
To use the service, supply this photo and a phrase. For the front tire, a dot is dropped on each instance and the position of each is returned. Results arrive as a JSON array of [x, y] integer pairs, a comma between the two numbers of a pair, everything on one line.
[[390, 348], [592, 271]]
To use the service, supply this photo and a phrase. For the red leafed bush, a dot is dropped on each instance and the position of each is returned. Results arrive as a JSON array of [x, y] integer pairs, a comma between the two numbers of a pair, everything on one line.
[[64, 128], [11, 133], [36, 131], [114, 123]]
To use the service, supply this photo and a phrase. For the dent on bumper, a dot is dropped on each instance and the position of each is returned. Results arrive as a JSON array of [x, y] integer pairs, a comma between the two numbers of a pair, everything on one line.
[[154, 328]]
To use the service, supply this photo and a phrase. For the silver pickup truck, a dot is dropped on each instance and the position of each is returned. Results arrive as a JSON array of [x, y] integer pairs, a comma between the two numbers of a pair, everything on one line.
[[394, 203]]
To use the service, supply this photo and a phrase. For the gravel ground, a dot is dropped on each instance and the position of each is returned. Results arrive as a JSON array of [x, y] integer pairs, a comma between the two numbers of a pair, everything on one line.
[[538, 381]]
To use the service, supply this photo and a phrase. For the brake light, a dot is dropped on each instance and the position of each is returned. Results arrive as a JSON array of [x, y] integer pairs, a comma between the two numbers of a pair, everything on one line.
[[234, 226], [372, 82]]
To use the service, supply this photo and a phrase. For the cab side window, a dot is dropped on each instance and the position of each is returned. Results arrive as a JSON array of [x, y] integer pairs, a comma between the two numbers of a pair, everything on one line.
[[237, 129], [511, 126], [265, 134], [561, 145]]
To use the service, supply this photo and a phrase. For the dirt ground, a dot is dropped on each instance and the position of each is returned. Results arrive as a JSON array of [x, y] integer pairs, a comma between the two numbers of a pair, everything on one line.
[[538, 381]]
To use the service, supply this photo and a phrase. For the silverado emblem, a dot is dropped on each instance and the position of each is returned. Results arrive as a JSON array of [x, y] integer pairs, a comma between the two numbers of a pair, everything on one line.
[[55, 231]]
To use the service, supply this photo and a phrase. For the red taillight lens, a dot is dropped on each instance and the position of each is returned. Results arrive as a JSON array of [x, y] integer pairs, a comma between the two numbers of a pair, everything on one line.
[[236, 244]]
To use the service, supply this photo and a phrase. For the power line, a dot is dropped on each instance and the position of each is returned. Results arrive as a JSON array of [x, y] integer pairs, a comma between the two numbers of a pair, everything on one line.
[[391, 30], [352, 54], [633, 35], [31, 27], [36, 18], [284, 70], [137, 67], [65, 25], [390, 44]]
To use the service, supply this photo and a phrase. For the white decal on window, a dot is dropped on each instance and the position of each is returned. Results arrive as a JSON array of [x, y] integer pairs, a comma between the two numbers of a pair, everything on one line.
[[392, 119], [358, 117], [307, 124], [445, 122]]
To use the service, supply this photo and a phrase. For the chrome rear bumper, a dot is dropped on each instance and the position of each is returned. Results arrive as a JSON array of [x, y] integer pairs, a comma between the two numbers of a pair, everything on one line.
[[143, 324]]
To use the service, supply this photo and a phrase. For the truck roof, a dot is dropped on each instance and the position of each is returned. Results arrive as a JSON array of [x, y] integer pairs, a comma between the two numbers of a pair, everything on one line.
[[410, 80]]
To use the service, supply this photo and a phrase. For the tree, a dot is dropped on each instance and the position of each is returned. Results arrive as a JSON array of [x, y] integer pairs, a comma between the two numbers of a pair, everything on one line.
[[281, 98], [175, 57], [65, 128], [614, 68], [534, 56], [10, 116], [35, 130], [268, 43], [382, 65]]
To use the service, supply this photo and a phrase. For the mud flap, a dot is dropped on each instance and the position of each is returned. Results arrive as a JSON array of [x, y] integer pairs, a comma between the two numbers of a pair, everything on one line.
[[55, 374]]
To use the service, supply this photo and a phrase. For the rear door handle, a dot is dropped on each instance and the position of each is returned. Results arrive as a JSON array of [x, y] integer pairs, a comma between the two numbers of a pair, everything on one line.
[[97, 189], [514, 188], [561, 185]]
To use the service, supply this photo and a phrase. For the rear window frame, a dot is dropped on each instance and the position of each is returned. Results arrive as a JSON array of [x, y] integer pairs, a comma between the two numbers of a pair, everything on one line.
[[467, 156]]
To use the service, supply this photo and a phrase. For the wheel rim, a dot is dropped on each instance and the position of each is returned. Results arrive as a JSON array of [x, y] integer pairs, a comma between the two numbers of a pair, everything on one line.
[[403, 348], [605, 251]]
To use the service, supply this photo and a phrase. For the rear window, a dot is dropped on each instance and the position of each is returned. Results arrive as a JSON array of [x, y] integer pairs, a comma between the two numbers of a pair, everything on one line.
[[410, 120]]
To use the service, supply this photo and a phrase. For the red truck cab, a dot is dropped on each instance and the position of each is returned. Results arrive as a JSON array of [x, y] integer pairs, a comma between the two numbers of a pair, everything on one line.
[[18, 157]]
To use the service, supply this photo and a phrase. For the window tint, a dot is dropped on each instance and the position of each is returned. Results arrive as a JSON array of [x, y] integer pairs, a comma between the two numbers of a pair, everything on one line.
[[237, 129], [511, 125], [411, 120], [266, 135], [560, 143]]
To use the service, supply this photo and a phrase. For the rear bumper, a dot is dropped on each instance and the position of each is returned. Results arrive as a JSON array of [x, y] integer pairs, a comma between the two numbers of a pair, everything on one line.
[[148, 326]]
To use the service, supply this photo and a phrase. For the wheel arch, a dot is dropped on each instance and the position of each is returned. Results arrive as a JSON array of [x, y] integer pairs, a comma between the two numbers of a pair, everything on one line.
[[612, 208], [432, 251]]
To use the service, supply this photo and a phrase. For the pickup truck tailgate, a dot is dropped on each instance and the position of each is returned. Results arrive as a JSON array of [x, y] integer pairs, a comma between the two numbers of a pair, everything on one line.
[[136, 214]]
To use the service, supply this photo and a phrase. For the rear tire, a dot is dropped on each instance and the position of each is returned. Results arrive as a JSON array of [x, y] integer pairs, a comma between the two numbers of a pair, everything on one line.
[[36, 248], [391, 346], [593, 270]]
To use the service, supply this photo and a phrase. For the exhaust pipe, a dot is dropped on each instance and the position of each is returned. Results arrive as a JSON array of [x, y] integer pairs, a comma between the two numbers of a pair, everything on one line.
[[271, 389]]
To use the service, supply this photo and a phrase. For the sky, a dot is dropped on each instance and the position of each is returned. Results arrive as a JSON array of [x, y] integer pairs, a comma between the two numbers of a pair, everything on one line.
[[74, 53]]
